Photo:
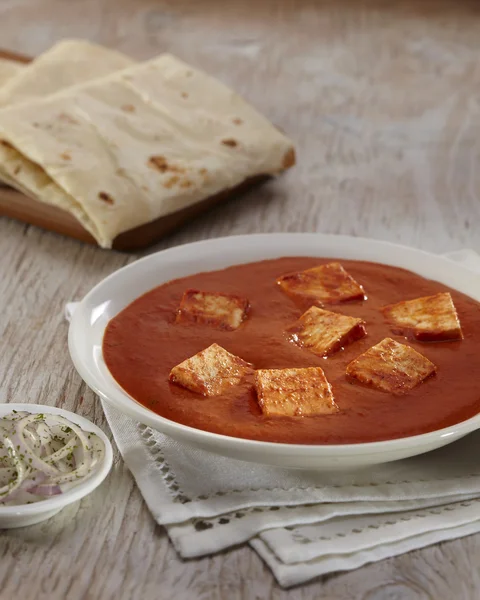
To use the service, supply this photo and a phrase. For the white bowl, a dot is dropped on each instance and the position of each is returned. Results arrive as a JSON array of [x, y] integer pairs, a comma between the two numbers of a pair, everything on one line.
[[119, 289], [29, 514]]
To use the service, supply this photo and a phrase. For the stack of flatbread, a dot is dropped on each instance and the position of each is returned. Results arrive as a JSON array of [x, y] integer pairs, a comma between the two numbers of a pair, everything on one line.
[[118, 144]]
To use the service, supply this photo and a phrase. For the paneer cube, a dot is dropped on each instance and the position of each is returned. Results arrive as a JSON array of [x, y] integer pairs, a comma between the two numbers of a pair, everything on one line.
[[428, 319], [326, 284], [223, 311], [211, 371], [391, 367], [294, 392], [324, 332]]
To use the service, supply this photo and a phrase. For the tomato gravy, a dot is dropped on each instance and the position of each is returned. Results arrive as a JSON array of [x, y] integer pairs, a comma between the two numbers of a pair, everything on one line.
[[143, 342]]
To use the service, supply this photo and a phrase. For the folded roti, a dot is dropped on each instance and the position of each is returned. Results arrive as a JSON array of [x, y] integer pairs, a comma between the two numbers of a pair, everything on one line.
[[67, 63], [137, 145], [9, 68]]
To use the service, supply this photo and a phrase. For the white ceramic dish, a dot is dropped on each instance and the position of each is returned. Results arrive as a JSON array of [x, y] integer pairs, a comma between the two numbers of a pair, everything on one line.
[[29, 514], [119, 289]]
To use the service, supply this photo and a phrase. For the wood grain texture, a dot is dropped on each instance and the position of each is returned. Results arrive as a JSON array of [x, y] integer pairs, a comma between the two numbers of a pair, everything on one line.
[[383, 101]]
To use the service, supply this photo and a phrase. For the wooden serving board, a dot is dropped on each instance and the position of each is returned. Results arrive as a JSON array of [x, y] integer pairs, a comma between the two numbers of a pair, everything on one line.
[[18, 206]]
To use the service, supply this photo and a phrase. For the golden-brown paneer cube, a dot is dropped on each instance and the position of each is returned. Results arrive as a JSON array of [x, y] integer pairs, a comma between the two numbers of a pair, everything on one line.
[[223, 311], [294, 392], [327, 284], [324, 332], [428, 319], [210, 371], [391, 367]]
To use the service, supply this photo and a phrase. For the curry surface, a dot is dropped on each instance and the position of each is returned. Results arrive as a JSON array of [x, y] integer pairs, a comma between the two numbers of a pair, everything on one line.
[[143, 342]]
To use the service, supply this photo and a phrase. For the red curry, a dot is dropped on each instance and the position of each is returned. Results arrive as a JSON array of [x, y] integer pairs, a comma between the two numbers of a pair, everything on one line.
[[143, 342]]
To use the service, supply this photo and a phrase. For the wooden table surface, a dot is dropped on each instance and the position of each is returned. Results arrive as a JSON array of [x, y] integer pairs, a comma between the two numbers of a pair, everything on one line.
[[383, 101]]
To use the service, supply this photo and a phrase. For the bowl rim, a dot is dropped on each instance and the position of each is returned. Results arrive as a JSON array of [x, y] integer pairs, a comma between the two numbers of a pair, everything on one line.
[[75, 493], [128, 405]]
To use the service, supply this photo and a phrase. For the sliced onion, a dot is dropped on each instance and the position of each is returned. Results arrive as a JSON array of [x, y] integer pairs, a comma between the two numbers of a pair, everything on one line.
[[44, 455], [45, 490], [20, 467]]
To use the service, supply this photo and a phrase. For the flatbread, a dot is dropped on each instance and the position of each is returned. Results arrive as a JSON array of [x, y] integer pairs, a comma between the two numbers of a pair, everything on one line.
[[67, 63], [9, 68], [137, 145]]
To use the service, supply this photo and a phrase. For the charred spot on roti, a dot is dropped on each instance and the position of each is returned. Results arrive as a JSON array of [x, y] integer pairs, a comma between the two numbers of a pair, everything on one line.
[[66, 156], [186, 183], [17, 170], [159, 163], [184, 95], [204, 174], [230, 142], [237, 121], [104, 197], [289, 159], [66, 118], [122, 172], [171, 181], [128, 108]]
